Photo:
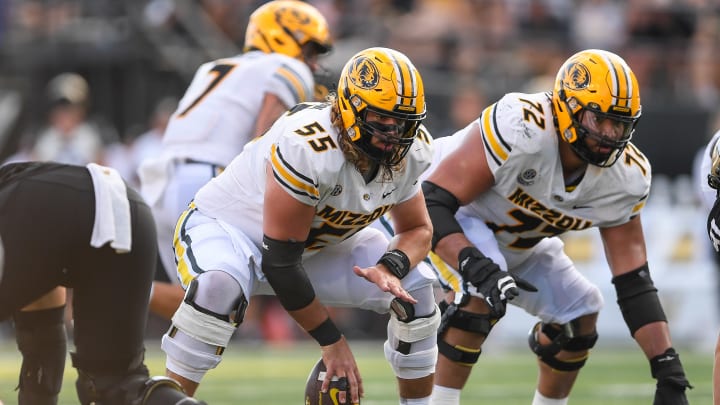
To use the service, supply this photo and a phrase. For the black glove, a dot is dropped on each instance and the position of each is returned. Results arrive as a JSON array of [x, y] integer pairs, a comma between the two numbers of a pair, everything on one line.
[[671, 380], [483, 278]]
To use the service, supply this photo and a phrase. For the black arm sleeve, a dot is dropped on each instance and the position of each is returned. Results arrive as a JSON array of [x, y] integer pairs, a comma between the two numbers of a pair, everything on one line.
[[441, 206], [282, 265]]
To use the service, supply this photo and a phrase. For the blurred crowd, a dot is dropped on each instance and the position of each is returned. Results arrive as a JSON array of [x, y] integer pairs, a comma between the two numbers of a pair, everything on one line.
[[136, 53], [96, 80]]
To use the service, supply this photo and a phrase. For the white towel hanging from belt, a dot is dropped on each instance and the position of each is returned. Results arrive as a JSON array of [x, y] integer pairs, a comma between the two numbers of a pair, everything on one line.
[[112, 209]]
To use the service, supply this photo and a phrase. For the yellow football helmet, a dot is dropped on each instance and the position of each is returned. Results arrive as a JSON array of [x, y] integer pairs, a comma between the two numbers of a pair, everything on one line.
[[288, 27], [599, 83], [385, 82]]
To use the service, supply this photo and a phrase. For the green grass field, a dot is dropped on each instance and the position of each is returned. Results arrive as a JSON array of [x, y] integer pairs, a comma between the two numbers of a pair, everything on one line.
[[266, 375]]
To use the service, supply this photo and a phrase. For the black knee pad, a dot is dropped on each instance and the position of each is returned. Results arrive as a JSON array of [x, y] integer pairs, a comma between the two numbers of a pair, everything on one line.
[[453, 316], [42, 340], [638, 299], [108, 385], [561, 339]]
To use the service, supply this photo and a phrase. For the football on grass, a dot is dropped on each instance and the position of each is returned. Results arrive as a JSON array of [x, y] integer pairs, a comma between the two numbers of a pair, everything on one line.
[[313, 395]]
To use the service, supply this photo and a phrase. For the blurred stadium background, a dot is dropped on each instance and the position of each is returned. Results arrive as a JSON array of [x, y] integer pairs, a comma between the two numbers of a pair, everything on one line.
[[137, 57]]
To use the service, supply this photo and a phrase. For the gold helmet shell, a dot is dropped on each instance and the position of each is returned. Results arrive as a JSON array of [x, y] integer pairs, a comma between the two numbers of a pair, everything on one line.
[[601, 82], [383, 81], [285, 26]]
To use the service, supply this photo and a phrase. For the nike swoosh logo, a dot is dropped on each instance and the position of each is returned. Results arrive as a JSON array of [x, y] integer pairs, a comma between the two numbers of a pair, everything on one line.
[[388, 193]]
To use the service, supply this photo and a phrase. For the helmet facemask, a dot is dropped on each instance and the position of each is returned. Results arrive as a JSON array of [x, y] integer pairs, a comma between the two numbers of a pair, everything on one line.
[[381, 100], [601, 136], [311, 52], [398, 138], [596, 105]]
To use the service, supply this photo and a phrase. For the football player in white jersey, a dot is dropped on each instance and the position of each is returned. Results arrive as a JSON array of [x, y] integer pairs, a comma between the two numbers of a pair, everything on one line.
[[289, 217], [532, 167], [228, 103], [710, 165]]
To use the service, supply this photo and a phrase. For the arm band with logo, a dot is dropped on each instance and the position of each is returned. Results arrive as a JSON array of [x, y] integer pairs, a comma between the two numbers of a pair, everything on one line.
[[326, 333], [441, 206], [282, 265], [397, 262]]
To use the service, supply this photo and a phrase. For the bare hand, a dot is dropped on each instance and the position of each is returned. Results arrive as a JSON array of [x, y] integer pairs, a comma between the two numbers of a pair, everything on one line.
[[385, 281], [339, 361]]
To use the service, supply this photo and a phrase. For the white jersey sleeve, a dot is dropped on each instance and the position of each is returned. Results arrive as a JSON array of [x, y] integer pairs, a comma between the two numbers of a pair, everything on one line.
[[217, 114], [298, 168], [530, 199]]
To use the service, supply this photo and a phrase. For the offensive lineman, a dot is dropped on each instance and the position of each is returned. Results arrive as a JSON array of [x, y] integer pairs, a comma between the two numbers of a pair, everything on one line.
[[228, 103], [541, 165], [289, 215], [79, 227]]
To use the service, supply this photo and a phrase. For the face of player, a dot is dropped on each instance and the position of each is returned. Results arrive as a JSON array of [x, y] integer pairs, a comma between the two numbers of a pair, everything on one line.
[[387, 131], [311, 53], [604, 134]]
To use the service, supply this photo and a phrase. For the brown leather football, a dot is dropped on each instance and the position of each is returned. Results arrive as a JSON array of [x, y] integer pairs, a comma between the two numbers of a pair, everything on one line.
[[313, 395]]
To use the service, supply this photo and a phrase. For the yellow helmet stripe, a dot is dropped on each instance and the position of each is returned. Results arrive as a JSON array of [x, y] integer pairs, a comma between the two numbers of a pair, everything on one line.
[[491, 138], [293, 82], [290, 178], [621, 81], [406, 84]]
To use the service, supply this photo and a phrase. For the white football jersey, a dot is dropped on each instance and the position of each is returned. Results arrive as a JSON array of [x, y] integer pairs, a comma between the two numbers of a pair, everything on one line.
[[216, 116], [529, 200], [303, 149]]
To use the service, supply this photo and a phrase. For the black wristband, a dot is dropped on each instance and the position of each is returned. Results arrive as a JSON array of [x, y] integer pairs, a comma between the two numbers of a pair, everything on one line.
[[326, 333], [666, 364], [397, 262], [468, 252]]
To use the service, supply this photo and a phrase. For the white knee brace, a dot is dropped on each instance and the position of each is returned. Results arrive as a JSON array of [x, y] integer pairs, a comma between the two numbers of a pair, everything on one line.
[[195, 342], [202, 327], [419, 338]]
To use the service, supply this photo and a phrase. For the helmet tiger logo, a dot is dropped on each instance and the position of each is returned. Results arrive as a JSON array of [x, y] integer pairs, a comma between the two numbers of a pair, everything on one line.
[[288, 17], [364, 74], [578, 76]]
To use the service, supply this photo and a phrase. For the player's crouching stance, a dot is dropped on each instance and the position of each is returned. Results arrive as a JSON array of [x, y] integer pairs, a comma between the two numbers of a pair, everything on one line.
[[97, 237], [289, 216], [532, 167]]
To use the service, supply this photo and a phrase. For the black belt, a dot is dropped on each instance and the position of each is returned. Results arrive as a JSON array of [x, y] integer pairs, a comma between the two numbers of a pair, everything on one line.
[[198, 162], [216, 168]]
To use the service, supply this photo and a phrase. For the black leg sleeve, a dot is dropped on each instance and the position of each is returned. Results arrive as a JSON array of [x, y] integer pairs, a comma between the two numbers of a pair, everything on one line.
[[41, 339]]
